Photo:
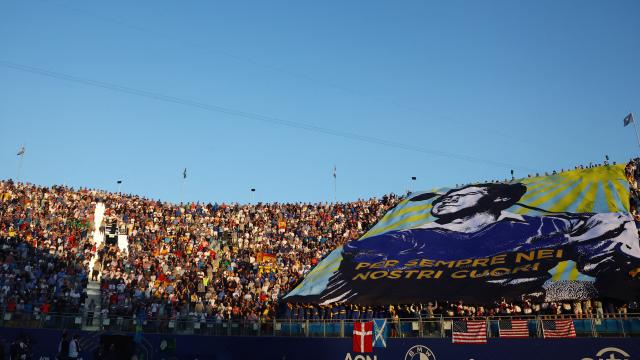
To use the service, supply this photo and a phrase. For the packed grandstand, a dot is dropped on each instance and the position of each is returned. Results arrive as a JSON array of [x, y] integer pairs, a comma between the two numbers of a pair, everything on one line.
[[218, 260], [205, 261], [364, 180], [95, 260]]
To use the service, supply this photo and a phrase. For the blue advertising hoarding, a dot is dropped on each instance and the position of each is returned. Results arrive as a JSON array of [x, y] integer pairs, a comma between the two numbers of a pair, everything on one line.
[[158, 346]]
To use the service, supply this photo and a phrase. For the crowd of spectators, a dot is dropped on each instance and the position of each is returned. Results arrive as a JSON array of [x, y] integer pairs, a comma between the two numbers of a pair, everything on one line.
[[547, 173], [221, 261], [44, 247], [215, 261], [575, 309]]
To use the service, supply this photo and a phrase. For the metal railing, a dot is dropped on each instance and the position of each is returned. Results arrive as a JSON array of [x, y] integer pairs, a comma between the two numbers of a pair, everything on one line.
[[437, 327]]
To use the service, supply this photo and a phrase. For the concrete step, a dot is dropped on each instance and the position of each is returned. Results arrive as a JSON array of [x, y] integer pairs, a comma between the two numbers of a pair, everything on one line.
[[93, 287], [91, 327]]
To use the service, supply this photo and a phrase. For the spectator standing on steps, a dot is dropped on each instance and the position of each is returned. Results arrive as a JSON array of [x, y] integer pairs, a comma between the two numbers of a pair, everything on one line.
[[90, 312], [74, 348], [97, 267]]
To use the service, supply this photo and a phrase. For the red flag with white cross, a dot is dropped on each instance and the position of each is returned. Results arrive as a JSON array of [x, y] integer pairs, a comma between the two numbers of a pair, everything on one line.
[[363, 337]]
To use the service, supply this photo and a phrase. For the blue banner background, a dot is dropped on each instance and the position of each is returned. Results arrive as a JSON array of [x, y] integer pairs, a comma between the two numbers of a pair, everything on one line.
[[279, 348]]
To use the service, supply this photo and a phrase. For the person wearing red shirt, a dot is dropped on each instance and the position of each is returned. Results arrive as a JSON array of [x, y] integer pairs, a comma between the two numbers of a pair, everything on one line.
[[11, 305]]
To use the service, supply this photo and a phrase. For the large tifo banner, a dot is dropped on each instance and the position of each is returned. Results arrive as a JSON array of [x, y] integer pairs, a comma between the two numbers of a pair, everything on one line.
[[566, 236]]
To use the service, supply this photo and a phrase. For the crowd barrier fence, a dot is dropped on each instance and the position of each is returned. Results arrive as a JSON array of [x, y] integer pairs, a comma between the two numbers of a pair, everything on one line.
[[437, 327]]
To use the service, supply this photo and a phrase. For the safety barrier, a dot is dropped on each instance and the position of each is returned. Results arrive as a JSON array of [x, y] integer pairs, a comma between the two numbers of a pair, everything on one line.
[[618, 326]]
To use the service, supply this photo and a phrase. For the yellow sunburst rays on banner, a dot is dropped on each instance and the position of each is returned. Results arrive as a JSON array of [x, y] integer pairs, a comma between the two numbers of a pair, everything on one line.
[[403, 211], [406, 214], [608, 195], [568, 270], [396, 220], [622, 191], [606, 191], [393, 213], [534, 191], [575, 190], [582, 196], [545, 194], [533, 183], [597, 189]]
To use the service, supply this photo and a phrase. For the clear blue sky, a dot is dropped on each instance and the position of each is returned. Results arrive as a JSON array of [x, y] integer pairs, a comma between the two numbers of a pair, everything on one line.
[[536, 85]]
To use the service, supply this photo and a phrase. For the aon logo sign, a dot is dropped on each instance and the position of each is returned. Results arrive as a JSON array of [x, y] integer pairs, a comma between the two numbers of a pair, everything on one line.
[[360, 357]]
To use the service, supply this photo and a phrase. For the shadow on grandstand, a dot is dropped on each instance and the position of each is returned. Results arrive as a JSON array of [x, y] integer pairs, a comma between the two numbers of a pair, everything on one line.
[[28, 303]]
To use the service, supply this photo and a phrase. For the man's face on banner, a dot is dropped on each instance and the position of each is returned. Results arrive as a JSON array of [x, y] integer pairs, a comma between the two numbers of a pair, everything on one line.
[[459, 200]]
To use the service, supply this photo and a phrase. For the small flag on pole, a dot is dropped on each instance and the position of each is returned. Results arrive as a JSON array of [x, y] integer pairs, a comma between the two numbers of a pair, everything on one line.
[[21, 151], [334, 171], [184, 173], [628, 119]]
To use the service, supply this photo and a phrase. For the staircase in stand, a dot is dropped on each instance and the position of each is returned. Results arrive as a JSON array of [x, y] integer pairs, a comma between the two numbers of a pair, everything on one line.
[[93, 287]]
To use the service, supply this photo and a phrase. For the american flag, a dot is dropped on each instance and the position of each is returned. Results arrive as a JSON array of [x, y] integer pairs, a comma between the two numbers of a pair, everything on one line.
[[513, 328], [554, 329], [469, 332]]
